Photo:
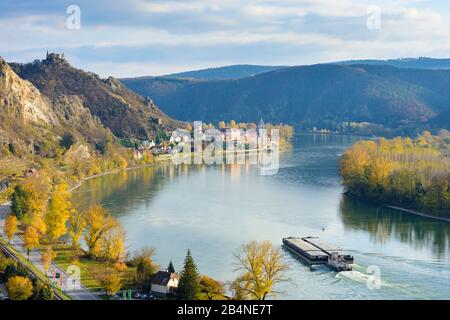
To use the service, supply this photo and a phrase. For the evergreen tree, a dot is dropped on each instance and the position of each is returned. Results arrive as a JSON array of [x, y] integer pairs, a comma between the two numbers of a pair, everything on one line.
[[170, 268], [42, 291], [189, 285], [18, 202]]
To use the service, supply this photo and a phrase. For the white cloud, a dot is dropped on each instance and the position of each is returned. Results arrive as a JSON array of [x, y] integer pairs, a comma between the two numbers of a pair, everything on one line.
[[173, 35]]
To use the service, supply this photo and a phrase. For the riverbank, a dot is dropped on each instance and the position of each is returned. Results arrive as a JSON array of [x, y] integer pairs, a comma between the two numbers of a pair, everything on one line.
[[425, 215], [405, 210], [159, 160]]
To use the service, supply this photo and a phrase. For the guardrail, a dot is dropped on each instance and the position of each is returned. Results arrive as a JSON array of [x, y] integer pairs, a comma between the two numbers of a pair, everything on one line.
[[11, 254]]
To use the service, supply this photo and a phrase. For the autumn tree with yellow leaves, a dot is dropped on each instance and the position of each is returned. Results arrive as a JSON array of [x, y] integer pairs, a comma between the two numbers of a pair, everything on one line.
[[19, 288], [77, 225], [47, 257], [10, 227], [107, 277], [261, 268], [31, 239], [98, 223], [59, 210], [112, 244], [211, 288], [414, 174], [29, 201]]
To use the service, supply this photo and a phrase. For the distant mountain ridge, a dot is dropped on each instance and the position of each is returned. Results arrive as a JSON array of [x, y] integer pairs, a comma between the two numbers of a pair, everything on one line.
[[227, 72], [324, 95], [239, 71], [411, 63]]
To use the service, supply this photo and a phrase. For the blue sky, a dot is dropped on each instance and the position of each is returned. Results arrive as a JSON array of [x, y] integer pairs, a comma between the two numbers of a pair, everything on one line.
[[152, 37]]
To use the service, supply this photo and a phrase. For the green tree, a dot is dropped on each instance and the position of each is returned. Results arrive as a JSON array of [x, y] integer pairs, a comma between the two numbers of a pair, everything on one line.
[[67, 140], [144, 271], [170, 268], [189, 284], [18, 202], [42, 291]]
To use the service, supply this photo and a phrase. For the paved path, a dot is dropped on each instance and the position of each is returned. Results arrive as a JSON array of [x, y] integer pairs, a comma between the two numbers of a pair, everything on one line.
[[70, 286]]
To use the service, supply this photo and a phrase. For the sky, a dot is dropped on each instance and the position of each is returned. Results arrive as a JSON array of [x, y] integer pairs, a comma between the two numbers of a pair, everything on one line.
[[154, 37]]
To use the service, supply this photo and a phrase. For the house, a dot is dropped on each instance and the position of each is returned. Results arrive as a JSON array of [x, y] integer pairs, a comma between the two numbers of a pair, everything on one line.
[[234, 134], [138, 154], [148, 144], [164, 283]]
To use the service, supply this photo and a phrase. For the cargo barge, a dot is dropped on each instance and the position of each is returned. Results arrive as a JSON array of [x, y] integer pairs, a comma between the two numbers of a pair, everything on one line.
[[313, 251]]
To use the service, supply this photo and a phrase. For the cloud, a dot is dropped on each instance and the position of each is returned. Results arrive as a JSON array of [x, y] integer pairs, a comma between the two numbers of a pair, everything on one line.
[[119, 36]]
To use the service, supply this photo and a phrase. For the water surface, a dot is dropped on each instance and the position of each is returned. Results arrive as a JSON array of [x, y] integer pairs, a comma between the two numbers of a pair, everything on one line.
[[213, 210]]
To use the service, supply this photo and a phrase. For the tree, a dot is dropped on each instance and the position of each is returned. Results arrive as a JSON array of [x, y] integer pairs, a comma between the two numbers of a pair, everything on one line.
[[146, 252], [233, 124], [14, 269], [144, 271], [47, 258], [18, 202], [37, 222], [98, 223], [236, 289], [78, 159], [145, 267], [261, 267], [403, 172], [112, 244], [77, 225], [31, 239], [10, 227], [189, 284], [58, 213], [222, 125], [19, 288], [36, 189], [108, 278], [30, 198], [210, 287], [5, 262], [42, 291], [171, 268], [67, 140]]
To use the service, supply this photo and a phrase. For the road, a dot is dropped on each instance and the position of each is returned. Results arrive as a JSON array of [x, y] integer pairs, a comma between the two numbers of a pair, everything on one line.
[[70, 286]]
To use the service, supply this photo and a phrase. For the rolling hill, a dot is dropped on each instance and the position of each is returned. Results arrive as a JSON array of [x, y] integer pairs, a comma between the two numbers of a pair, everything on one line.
[[324, 95]]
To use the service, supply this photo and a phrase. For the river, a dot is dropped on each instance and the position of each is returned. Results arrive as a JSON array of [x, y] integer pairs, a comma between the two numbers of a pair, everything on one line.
[[213, 210]]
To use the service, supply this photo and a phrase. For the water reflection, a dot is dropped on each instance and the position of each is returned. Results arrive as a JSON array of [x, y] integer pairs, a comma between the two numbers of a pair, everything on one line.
[[385, 224], [215, 209]]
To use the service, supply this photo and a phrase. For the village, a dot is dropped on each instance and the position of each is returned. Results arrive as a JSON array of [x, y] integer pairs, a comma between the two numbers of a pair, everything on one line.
[[231, 137]]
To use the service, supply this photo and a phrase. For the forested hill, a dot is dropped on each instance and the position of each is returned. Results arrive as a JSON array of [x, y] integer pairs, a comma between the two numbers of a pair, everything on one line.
[[326, 95], [221, 73], [410, 63]]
